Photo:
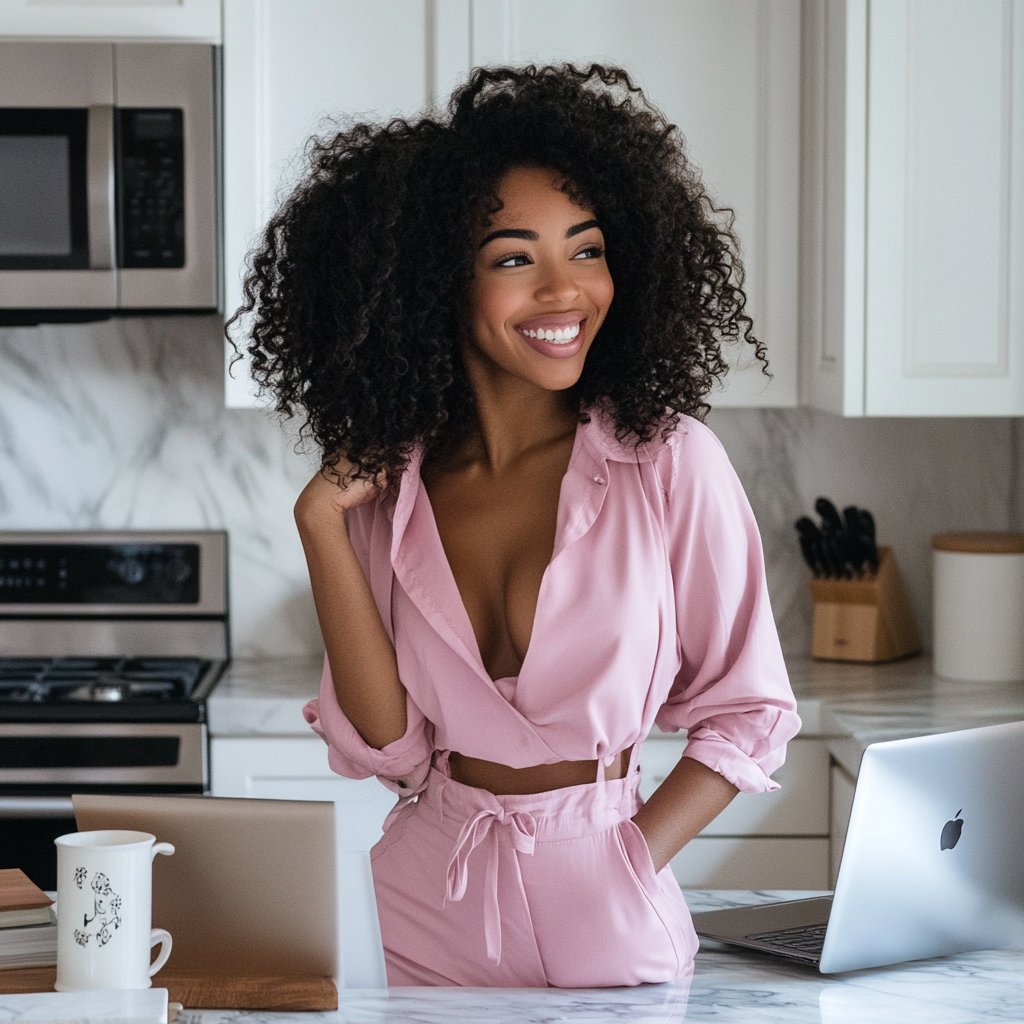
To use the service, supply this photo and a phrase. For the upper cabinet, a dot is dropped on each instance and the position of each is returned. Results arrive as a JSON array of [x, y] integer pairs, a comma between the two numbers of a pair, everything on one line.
[[728, 73], [293, 68], [195, 21], [913, 181]]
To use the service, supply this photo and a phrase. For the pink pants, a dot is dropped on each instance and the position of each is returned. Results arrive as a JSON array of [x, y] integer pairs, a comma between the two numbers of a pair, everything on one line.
[[550, 889]]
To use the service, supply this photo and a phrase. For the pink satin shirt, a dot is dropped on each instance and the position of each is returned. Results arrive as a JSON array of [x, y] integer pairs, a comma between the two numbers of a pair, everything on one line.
[[652, 611]]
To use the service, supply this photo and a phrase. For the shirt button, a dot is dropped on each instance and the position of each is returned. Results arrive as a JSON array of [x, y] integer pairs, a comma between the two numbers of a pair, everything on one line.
[[598, 479]]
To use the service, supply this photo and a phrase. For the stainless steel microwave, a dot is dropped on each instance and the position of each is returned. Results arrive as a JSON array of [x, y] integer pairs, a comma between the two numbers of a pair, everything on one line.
[[108, 180]]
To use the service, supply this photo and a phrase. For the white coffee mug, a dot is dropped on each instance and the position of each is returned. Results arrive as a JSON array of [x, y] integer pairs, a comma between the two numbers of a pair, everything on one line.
[[104, 910]]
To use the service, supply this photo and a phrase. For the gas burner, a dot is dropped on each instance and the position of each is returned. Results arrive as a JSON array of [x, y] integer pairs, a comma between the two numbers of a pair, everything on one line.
[[63, 683]]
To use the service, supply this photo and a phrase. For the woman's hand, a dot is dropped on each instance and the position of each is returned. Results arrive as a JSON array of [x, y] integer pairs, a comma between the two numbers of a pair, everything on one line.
[[324, 498]]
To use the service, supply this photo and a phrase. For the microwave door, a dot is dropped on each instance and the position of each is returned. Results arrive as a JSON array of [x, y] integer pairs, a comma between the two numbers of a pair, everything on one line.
[[57, 208]]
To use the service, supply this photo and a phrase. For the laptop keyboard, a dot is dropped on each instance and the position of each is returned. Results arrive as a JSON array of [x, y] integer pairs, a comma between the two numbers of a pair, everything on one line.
[[806, 940]]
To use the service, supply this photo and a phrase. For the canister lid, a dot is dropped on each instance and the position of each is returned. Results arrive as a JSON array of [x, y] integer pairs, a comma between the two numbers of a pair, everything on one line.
[[980, 543]]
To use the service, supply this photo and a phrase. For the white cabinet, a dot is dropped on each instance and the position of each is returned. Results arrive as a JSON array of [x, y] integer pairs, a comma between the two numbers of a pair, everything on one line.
[[843, 787], [726, 72], [913, 207], [774, 840], [290, 66], [194, 21], [296, 768]]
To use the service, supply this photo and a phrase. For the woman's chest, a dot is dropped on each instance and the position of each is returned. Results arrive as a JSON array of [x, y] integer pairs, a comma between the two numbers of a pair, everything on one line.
[[497, 534]]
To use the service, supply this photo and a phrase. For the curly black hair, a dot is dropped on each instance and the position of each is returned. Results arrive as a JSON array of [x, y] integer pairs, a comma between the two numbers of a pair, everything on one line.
[[356, 296]]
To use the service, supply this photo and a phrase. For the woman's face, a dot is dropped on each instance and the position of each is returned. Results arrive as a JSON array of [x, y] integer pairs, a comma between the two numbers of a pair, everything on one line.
[[541, 286]]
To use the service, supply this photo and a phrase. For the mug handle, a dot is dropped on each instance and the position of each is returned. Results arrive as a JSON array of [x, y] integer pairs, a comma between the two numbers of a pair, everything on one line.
[[160, 848], [164, 938]]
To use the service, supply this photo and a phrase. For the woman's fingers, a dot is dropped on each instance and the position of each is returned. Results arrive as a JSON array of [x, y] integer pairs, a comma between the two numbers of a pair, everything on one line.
[[333, 491]]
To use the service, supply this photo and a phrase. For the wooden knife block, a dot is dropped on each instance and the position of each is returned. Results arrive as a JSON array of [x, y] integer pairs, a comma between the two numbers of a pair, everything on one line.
[[866, 619]]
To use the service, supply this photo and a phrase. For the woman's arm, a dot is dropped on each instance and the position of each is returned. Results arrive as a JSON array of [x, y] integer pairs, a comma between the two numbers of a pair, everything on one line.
[[360, 653], [690, 798]]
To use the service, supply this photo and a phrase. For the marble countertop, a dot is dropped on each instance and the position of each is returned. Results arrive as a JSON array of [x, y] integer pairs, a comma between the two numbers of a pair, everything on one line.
[[852, 705], [728, 987]]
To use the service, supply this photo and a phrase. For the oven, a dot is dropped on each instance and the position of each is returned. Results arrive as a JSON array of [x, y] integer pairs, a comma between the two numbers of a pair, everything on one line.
[[110, 644]]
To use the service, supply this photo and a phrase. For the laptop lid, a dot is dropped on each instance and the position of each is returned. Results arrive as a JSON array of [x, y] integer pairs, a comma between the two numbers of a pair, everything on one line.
[[932, 863], [251, 887]]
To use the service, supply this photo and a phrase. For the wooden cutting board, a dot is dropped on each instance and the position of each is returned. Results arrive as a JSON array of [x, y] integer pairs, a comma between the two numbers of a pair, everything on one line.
[[234, 992]]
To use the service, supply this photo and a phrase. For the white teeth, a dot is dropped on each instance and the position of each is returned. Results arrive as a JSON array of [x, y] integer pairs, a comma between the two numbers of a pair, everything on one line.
[[561, 336]]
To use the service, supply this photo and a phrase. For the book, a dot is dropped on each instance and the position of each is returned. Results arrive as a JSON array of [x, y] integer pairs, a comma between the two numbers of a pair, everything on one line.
[[34, 945], [22, 902]]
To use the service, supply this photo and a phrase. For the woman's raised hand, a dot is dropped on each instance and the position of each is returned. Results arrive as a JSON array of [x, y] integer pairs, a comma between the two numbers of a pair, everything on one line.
[[325, 496]]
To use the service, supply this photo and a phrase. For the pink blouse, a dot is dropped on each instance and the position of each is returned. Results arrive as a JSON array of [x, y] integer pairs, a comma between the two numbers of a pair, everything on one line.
[[652, 611]]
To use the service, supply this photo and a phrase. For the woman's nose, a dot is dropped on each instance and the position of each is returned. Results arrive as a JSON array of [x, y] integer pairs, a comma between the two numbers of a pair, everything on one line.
[[558, 283]]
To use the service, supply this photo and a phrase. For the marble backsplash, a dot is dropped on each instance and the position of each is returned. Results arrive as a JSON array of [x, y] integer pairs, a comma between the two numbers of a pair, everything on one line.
[[121, 425]]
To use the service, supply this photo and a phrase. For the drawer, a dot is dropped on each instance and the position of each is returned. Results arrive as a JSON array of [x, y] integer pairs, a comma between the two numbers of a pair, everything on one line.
[[723, 863], [799, 808]]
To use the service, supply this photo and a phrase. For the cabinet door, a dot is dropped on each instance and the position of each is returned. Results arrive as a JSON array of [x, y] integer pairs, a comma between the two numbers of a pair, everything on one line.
[[282, 768], [913, 228], [290, 67], [945, 225], [195, 21], [727, 73], [721, 862]]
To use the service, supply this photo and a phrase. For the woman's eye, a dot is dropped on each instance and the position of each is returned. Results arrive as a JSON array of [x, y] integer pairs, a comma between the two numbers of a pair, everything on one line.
[[516, 259], [592, 252]]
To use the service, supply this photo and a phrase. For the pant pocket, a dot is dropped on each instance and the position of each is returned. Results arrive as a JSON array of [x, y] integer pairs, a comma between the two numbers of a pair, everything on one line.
[[595, 921], [638, 855]]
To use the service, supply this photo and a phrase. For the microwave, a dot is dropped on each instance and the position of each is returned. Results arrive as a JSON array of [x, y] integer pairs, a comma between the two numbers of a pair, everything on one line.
[[108, 180]]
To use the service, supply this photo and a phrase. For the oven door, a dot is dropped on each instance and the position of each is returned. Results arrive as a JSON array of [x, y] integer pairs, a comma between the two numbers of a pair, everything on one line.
[[57, 188], [42, 764]]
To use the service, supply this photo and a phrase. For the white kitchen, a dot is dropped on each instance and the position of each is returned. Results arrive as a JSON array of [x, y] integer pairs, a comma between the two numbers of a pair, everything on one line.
[[872, 153]]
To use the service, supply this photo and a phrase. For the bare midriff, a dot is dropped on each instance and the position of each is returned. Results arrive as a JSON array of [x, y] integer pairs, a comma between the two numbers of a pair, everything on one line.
[[501, 780]]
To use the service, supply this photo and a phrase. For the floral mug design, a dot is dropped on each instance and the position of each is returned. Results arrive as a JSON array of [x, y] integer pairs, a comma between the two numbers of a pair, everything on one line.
[[106, 909]]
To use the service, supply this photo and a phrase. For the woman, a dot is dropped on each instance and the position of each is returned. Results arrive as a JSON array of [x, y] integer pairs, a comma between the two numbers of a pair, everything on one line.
[[501, 326]]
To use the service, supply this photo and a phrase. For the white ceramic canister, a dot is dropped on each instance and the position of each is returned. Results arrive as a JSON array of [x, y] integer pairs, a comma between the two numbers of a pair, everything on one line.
[[978, 589]]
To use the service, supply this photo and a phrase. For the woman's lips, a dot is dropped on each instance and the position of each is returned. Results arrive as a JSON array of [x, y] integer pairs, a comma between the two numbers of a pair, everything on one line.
[[557, 335]]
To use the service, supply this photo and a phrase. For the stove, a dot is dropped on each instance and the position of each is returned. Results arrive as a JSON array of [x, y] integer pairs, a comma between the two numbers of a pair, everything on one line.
[[109, 689], [110, 644]]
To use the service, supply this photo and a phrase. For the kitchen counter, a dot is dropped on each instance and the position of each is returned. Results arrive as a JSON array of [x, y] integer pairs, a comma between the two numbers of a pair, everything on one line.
[[852, 705], [728, 987]]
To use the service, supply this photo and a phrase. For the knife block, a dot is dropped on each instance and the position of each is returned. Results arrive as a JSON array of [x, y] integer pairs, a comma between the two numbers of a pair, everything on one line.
[[867, 619]]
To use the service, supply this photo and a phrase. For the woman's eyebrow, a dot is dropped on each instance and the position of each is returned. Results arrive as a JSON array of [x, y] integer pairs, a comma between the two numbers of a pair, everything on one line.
[[529, 236], [532, 236]]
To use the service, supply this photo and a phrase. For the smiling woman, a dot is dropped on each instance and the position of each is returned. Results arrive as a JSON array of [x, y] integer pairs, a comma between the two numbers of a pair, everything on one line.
[[525, 548]]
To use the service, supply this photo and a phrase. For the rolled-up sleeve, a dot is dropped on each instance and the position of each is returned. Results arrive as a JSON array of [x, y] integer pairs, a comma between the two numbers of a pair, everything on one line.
[[732, 692], [402, 766]]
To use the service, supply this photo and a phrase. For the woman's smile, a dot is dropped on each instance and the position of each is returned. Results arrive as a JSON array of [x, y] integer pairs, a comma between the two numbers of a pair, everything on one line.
[[541, 286]]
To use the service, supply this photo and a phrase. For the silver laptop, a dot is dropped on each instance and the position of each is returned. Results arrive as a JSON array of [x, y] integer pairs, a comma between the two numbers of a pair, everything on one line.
[[932, 865], [251, 886]]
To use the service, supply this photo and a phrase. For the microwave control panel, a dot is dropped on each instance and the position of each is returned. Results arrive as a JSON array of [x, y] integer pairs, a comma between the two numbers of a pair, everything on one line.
[[151, 187]]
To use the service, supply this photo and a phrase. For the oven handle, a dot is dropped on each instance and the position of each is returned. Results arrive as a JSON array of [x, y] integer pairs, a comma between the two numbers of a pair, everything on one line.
[[100, 173], [36, 807]]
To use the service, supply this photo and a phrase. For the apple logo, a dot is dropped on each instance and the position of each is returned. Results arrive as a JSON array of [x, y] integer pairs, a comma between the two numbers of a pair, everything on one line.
[[951, 832]]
